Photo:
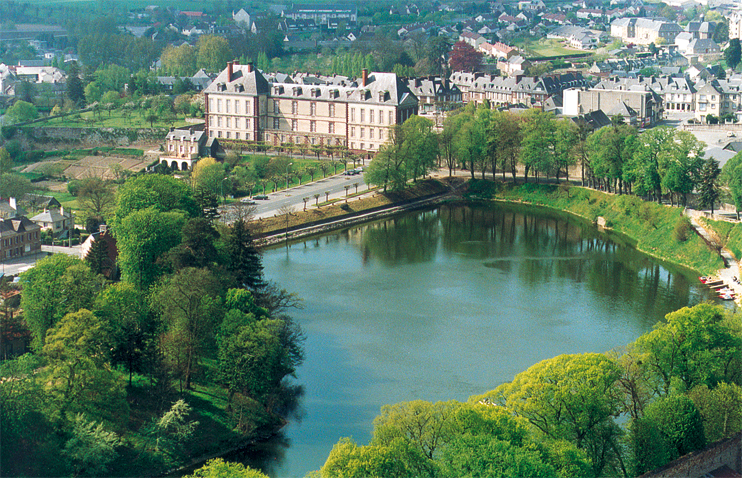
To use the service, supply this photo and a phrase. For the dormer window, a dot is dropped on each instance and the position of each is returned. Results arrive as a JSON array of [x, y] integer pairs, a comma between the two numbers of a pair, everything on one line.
[[297, 91], [278, 90]]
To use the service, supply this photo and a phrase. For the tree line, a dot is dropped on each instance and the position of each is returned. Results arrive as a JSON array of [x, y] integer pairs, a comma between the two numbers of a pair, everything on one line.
[[620, 413], [111, 383], [658, 164]]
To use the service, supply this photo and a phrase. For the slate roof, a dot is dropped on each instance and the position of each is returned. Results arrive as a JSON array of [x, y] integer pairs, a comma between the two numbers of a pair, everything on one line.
[[10, 227]]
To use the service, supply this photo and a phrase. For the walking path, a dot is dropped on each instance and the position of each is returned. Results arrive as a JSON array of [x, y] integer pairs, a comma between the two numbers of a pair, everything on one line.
[[732, 266]]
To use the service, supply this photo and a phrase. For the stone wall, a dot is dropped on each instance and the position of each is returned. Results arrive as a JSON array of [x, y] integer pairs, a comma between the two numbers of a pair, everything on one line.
[[694, 465], [39, 137]]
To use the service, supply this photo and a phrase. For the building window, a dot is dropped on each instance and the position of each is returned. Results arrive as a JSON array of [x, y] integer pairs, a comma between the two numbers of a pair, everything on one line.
[[219, 134], [362, 146], [352, 114], [211, 121], [381, 117], [391, 117], [313, 126], [331, 128], [229, 122], [294, 125], [314, 140], [227, 134], [247, 123], [313, 108], [370, 133], [237, 107], [219, 105], [352, 131], [332, 109], [276, 123], [247, 106], [370, 116], [276, 106], [381, 133], [237, 135], [229, 104], [219, 121], [363, 115], [362, 132], [294, 107]]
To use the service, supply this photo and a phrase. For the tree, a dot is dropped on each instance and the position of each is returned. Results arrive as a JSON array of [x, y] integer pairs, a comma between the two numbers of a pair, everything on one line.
[[92, 92], [91, 447], [196, 248], [609, 150], [708, 353], [708, 189], [464, 57], [97, 257], [14, 185], [130, 329], [213, 52], [209, 174], [20, 112], [164, 193], [78, 377], [173, 428], [143, 237], [733, 53], [731, 176], [187, 301], [75, 91], [679, 422], [720, 408], [244, 260], [179, 61], [537, 148], [208, 202], [218, 468], [569, 397], [56, 286], [6, 161], [96, 196]]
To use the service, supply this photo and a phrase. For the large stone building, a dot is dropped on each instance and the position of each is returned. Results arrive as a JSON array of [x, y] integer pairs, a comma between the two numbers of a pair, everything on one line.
[[718, 98], [19, 236], [242, 105], [644, 31], [326, 15], [735, 25], [641, 106]]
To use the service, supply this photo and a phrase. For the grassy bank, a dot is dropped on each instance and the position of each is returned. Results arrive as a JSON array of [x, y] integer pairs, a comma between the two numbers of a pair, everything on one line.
[[658, 230], [730, 235], [341, 209]]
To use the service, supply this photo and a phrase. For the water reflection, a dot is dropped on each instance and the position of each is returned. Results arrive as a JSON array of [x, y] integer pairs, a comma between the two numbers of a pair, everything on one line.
[[451, 302]]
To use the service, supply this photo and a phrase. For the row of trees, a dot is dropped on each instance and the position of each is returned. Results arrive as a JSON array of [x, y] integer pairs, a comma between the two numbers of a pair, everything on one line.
[[190, 290], [617, 414], [656, 164]]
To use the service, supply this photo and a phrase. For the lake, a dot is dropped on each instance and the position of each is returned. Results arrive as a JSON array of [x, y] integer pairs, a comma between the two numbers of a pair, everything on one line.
[[447, 303]]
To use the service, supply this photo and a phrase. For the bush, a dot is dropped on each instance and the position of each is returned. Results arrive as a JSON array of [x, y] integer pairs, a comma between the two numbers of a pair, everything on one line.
[[682, 229]]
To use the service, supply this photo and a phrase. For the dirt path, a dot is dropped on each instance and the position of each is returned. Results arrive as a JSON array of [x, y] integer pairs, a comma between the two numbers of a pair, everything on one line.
[[732, 266]]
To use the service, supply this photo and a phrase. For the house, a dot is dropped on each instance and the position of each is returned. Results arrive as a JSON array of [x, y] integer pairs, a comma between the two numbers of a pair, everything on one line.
[[586, 13], [436, 96], [702, 47], [19, 236], [472, 39], [242, 105], [718, 98], [58, 221], [40, 202], [326, 15], [103, 234], [644, 31], [677, 93], [644, 105], [8, 80], [735, 25], [513, 66], [11, 209], [185, 146]]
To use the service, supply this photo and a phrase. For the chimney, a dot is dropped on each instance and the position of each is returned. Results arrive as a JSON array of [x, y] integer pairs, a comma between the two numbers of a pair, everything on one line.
[[11, 202], [102, 228], [365, 76], [230, 71], [249, 67]]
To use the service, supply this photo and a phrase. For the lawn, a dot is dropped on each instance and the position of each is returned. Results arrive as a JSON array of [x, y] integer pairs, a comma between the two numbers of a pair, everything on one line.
[[117, 119], [547, 47]]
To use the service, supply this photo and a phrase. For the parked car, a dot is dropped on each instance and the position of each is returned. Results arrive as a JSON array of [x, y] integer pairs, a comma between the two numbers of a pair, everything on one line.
[[247, 201], [260, 197]]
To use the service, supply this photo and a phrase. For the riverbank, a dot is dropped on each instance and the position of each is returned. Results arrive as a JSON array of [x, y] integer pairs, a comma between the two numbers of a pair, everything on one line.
[[659, 231]]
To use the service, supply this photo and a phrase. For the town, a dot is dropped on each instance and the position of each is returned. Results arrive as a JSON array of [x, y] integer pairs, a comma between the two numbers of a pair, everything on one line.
[[241, 230]]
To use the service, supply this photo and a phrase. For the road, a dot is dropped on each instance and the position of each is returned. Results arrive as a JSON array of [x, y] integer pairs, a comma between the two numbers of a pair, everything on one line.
[[21, 264], [293, 197]]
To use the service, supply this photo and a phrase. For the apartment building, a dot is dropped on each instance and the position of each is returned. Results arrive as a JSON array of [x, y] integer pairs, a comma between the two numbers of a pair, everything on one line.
[[639, 106], [644, 31], [735, 25], [324, 14], [719, 98], [19, 236], [677, 93], [242, 105]]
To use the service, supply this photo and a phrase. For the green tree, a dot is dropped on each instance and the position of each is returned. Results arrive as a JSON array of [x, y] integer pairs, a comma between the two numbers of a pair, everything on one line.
[[187, 302], [197, 246], [419, 146], [213, 52], [97, 257], [731, 177], [538, 145], [164, 193], [20, 112], [75, 90], [179, 61], [218, 468], [96, 196], [91, 448], [14, 185], [56, 286], [93, 92], [720, 408], [609, 150], [709, 352], [680, 423], [733, 53], [112, 78], [708, 188], [143, 237], [569, 397], [130, 329], [173, 428], [6, 161], [78, 377], [243, 258], [648, 447]]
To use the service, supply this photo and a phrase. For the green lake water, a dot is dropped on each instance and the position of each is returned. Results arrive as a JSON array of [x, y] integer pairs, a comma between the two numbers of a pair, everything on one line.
[[447, 303]]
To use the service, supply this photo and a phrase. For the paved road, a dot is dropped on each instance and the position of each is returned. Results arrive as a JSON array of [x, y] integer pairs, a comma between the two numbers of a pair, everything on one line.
[[293, 197], [24, 263]]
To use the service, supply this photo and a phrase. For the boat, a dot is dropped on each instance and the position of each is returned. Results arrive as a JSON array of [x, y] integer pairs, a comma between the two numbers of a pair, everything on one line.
[[726, 296]]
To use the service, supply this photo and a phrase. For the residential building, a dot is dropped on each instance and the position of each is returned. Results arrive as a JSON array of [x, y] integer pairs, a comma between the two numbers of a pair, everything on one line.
[[677, 93], [11, 209], [735, 25], [644, 30], [702, 47], [578, 37], [103, 234], [242, 105], [324, 14], [640, 107], [436, 96], [7, 80], [185, 146], [514, 66], [19, 236], [719, 98], [473, 39], [58, 221]]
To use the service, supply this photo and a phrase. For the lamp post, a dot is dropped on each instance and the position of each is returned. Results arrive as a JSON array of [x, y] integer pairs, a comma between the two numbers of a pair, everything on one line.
[[224, 198], [287, 175]]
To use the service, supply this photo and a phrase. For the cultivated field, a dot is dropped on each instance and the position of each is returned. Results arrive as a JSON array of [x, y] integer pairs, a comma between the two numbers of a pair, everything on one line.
[[94, 166]]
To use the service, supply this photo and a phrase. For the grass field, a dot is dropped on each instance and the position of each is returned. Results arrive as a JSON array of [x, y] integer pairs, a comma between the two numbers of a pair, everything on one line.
[[547, 47], [116, 119]]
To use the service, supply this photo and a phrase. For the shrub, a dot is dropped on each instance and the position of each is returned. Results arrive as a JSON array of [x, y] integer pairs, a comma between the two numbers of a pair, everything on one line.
[[682, 229]]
